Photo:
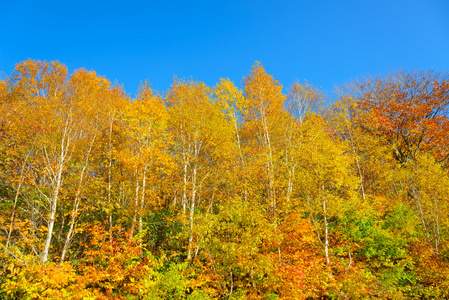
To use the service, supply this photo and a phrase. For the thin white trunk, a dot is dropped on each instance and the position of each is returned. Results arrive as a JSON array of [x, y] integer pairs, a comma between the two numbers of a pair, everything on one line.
[[437, 224], [421, 215], [350, 262], [326, 229], [110, 173], [55, 194], [291, 176], [13, 214], [242, 161], [312, 217], [362, 188], [136, 203], [76, 203], [184, 190], [142, 199], [192, 214], [270, 169], [71, 228], [359, 169]]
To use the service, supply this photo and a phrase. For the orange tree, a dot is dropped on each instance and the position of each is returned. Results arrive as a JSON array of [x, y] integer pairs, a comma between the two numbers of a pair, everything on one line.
[[410, 111]]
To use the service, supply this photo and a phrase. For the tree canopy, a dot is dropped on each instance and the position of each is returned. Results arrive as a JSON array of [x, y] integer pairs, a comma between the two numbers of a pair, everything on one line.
[[222, 193]]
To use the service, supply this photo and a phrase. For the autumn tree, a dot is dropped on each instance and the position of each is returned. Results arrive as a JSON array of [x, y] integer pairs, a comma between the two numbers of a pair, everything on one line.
[[38, 97], [56, 120], [262, 115], [88, 94], [409, 110], [143, 153], [396, 127], [232, 103], [198, 128]]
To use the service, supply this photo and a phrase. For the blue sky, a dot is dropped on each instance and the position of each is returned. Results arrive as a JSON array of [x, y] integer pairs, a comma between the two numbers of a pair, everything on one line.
[[326, 43]]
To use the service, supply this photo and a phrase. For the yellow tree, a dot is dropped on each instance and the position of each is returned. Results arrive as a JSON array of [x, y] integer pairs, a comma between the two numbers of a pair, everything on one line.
[[38, 92], [56, 121], [325, 182], [199, 129], [301, 100], [232, 103], [263, 115], [87, 94], [371, 156], [425, 184], [145, 149]]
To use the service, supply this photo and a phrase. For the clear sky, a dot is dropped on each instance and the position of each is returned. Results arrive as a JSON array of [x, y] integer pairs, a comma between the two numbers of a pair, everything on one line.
[[324, 42]]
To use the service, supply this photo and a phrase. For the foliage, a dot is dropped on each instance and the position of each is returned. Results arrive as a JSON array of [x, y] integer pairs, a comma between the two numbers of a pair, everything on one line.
[[222, 193]]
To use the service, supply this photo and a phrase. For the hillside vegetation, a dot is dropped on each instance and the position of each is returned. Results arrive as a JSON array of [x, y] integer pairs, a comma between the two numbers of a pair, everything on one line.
[[220, 193]]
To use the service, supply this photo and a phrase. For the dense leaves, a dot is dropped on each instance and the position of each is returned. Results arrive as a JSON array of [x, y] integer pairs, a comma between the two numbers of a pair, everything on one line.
[[220, 193]]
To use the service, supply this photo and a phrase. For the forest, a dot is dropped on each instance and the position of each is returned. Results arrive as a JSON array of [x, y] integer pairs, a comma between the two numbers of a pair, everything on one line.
[[199, 192]]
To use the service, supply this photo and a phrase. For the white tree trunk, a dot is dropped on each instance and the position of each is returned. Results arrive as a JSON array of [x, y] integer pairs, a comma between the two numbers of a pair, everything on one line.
[[76, 203], [57, 183]]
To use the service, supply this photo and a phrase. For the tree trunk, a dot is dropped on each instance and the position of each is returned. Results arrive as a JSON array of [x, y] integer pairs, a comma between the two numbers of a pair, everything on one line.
[[192, 214], [13, 214], [54, 198], [142, 199], [136, 204], [326, 230], [76, 204]]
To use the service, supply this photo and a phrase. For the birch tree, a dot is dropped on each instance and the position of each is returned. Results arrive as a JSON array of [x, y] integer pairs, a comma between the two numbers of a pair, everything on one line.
[[198, 128]]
